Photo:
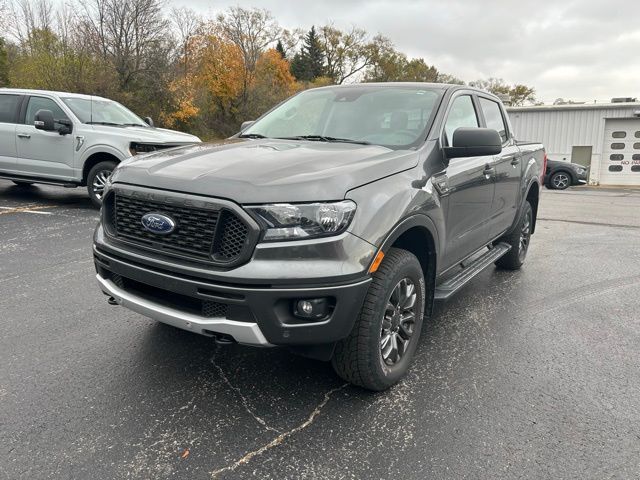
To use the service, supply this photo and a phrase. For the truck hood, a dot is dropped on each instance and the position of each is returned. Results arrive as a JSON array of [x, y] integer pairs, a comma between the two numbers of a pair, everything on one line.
[[265, 171], [146, 135]]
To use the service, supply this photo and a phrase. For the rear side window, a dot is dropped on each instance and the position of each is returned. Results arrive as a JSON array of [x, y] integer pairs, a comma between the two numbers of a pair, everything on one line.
[[462, 114], [8, 108], [493, 117], [42, 103]]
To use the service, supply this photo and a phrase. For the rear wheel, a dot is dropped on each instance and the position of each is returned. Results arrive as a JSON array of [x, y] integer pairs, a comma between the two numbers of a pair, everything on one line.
[[519, 240], [21, 183], [97, 179], [380, 348], [560, 180]]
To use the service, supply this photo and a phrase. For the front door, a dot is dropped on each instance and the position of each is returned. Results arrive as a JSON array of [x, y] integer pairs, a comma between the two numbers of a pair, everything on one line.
[[40, 153], [470, 189], [508, 171]]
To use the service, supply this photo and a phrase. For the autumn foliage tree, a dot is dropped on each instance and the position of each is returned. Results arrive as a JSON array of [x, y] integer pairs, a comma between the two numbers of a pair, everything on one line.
[[200, 74]]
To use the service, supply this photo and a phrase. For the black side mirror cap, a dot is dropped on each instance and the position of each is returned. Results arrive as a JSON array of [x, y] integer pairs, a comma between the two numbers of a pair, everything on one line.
[[246, 125], [44, 121], [474, 142], [149, 121]]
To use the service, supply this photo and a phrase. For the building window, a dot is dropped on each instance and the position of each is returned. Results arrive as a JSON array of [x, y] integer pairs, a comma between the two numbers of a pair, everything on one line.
[[616, 156], [635, 168], [638, 134], [619, 135], [635, 157], [615, 168], [636, 146], [617, 146]]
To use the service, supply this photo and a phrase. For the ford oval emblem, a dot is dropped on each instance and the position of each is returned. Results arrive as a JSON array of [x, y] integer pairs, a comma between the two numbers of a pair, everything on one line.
[[158, 223]]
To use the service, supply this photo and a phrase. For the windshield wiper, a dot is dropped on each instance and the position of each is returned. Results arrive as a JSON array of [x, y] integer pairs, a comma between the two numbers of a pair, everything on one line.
[[134, 125], [111, 124], [251, 135], [322, 138]]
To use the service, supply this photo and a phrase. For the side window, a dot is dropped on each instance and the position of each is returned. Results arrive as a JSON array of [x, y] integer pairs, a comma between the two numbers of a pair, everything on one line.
[[493, 116], [41, 103], [462, 114], [8, 108]]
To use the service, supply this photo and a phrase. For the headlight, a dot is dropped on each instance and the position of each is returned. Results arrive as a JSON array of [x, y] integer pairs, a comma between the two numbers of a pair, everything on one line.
[[135, 148], [286, 221], [580, 171]]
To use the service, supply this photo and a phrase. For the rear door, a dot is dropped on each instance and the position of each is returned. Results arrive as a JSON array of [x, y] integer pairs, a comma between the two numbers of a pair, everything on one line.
[[9, 108], [470, 187], [40, 153], [508, 170]]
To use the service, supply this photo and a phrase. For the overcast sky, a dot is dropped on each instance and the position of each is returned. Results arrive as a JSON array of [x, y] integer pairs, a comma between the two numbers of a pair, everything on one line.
[[583, 50]]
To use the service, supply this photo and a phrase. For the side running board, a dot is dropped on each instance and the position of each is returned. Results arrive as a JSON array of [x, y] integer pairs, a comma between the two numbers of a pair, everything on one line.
[[459, 280]]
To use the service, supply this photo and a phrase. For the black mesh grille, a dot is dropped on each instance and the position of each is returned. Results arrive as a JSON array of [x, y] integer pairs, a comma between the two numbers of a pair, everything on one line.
[[214, 309], [231, 237], [194, 234]]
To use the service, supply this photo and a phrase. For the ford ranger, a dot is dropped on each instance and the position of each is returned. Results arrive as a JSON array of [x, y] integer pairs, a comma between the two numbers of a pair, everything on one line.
[[329, 226]]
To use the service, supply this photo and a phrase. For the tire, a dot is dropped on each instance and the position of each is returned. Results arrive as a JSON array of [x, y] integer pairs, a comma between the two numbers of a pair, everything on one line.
[[20, 183], [519, 240], [96, 180], [360, 358], [560, 181]]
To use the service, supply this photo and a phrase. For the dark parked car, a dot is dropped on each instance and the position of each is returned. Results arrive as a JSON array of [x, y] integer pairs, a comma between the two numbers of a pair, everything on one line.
[[329, 226], [560, 175]]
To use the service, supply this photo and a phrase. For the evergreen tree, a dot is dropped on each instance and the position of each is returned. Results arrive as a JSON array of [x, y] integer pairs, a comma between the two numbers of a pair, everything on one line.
[[280, 49], [308, 64], [4, 65]]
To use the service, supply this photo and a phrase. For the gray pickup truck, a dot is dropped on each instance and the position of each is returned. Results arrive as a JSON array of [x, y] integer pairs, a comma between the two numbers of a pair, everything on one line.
[[328, 226]]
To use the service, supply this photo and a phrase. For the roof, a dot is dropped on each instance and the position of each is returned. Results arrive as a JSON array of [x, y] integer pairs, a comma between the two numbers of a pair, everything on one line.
[[576, 106], [26, 91]]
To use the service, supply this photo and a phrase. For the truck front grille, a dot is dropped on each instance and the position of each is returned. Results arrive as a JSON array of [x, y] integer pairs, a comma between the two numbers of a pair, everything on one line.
[[205, 234]]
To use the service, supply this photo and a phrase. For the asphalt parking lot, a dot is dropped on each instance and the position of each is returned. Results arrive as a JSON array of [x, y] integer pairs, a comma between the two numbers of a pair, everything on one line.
[[532, 374]]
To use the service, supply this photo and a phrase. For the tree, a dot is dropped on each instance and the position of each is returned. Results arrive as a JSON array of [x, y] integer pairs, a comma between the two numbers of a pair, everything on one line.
[[252, 31], [272, 83], [132, 35], [280, 50], [520, 94], [187, 24], [347, 53], [308, 64], [4, 64], [497, 86]]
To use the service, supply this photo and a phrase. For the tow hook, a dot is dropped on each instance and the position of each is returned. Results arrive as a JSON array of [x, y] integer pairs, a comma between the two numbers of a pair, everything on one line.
[[112, 301], [223, 340]]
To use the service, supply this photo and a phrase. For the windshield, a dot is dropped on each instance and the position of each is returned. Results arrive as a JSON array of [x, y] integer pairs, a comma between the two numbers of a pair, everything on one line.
[[101, 111], [395, 117]]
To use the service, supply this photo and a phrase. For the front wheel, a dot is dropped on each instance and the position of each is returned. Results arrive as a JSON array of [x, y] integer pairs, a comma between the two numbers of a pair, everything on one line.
[[560, 181], [379, 350], [519, 240], [97, 179]]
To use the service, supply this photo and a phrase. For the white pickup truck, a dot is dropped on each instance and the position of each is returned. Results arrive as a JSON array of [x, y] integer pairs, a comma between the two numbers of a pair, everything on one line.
[[72, 140]]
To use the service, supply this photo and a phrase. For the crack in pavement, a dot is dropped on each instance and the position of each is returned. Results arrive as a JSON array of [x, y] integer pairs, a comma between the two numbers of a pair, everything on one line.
[[280, 438], [584, 222], [244, 400]]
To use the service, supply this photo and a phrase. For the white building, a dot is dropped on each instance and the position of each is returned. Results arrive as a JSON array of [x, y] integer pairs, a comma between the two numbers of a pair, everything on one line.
[[603, 136]]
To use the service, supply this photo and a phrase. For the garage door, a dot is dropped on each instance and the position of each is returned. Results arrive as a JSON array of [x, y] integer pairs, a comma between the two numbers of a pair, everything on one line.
[[621, 157]]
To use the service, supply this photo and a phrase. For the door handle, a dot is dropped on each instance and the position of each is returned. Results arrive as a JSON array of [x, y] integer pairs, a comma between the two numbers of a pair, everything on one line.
[[23, 135], [488, 171], [515, 161]]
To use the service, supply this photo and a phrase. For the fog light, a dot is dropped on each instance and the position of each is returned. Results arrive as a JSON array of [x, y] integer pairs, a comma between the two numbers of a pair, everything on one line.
[[311, 308]]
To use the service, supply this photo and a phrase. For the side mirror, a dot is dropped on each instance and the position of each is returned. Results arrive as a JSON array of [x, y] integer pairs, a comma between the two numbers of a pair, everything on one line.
[[474, 142], [149, 121], [67, 126], [44, 121], [246, 125]]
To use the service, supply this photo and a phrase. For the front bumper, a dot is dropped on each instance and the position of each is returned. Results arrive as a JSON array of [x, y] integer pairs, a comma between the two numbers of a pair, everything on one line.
[[258, 312]]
